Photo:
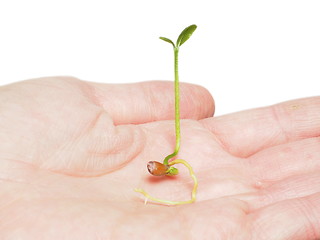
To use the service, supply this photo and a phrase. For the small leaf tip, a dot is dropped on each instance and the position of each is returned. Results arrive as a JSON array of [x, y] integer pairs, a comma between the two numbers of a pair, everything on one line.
[[186, 34], [167, 40]]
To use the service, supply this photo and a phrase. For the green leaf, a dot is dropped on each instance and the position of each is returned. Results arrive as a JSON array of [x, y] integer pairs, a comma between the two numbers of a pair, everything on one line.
[[167, 40], [172, 171], [185, 34]]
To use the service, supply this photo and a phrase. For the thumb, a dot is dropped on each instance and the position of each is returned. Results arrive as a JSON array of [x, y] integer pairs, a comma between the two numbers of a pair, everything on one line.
[[143, 102]]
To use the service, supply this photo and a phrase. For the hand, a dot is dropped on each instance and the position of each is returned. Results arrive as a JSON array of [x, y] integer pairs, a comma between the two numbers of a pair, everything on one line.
[[72, 152]]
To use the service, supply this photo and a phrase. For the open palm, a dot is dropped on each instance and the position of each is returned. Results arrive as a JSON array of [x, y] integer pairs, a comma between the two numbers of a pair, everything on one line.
[[72, 152]]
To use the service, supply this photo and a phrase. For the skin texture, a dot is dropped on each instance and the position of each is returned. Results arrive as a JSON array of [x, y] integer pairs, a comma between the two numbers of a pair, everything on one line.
[[72, 152]]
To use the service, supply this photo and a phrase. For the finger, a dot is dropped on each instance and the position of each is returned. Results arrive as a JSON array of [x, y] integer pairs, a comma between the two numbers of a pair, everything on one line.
[[152, 101], [282, 161], [295, 219], [247, 132]]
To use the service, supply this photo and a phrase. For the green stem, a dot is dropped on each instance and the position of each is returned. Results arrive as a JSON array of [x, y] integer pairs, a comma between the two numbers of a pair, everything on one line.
[[177, 106]]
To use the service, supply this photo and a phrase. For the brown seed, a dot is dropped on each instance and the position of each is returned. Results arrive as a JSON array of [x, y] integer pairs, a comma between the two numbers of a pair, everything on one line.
[[157, 169]]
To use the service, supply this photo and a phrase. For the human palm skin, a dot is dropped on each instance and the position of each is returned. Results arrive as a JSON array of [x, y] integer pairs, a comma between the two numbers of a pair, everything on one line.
[[72, 153]]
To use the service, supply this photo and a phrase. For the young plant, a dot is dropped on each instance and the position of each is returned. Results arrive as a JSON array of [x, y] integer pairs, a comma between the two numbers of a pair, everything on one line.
[[166, 168]]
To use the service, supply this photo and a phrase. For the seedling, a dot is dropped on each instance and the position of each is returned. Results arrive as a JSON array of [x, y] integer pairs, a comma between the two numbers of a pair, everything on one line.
[[166, 168]]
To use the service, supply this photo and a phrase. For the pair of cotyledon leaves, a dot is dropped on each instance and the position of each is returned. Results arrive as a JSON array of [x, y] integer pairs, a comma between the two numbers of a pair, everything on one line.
[[183, 37]]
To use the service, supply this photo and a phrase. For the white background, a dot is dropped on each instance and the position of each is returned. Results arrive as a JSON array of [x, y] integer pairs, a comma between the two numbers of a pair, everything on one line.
[[247, 53]]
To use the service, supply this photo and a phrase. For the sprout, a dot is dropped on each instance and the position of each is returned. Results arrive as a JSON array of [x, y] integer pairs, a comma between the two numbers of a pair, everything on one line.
[[166, 168]]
